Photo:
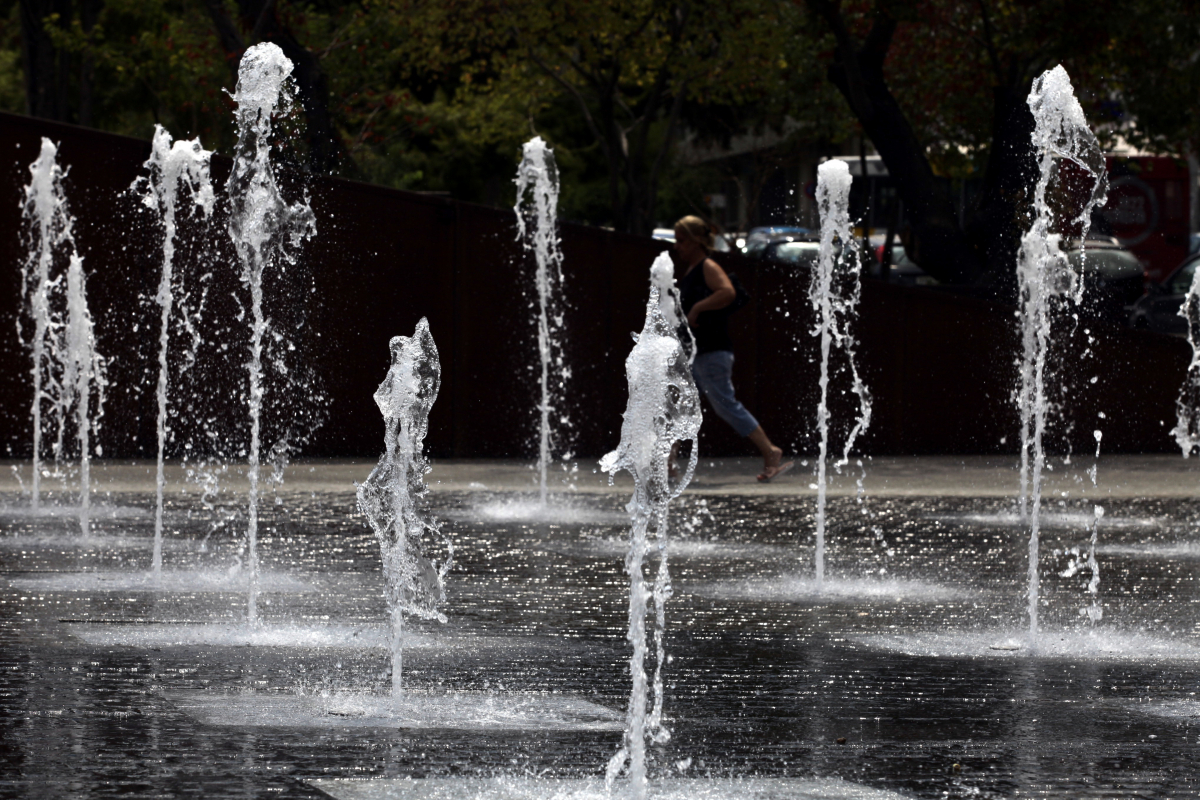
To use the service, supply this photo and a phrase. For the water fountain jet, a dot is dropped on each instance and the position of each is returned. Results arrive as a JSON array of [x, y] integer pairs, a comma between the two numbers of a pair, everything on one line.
[[663, 410], [1046, 281], [537, 175], [83, 373], [49, 228], [266, 231], [834, 292], [392, 497], [171, 166]]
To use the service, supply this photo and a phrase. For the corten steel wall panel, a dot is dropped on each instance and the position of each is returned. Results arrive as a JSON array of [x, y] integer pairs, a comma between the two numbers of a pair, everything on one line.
[[786, 378], [496, 383], [941, 369], [939, 366], [378, 268]]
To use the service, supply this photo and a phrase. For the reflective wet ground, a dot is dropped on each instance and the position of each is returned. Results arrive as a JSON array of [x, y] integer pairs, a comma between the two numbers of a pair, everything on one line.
[[907, 672]]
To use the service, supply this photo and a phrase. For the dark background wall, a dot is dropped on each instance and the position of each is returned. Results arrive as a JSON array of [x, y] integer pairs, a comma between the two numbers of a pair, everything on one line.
[[940, 366]]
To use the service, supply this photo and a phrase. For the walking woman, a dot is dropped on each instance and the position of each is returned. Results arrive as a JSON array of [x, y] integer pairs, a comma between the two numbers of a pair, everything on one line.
[[706, 292]]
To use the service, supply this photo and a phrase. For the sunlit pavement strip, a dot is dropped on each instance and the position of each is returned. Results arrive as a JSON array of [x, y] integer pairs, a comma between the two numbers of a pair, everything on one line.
[[1127, 476], [791, 589], [1098, 645], [69, 513], [333, 636], [1052, 521], [676, 549], [471, 711], [555, 789], [1165, 550], [1169, 709], [241, 635], [168, 582]]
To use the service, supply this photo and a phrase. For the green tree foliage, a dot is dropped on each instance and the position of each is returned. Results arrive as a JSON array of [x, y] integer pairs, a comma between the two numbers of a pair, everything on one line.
[[629, 71]]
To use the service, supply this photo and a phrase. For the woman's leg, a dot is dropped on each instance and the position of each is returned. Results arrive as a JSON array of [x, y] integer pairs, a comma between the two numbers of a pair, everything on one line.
[[714, 377]]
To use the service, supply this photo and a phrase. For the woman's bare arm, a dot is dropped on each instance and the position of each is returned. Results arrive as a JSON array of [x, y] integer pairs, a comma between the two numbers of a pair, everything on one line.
[[723, 292]]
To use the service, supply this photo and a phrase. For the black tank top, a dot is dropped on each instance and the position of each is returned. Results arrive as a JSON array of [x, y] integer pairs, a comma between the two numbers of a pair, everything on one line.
[[712, 327]]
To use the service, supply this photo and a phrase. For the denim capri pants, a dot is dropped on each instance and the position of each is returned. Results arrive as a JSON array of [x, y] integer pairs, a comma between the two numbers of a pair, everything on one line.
[[713, 373]]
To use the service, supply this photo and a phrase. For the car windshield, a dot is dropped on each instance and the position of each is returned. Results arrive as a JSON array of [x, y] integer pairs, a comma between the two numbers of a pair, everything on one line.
[[1181, 281], [1108, 263], [804, 253]]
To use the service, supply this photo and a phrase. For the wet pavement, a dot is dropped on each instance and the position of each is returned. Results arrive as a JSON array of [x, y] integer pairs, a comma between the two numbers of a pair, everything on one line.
[[908, 672]]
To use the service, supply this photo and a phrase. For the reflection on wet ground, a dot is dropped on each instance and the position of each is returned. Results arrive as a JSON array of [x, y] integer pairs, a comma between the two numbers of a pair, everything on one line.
[[907, 673]]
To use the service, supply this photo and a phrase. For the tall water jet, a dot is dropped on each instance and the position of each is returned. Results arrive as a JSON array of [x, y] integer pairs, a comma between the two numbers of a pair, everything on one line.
[[834, 291], [183, 164], [83, 373], [663, 409], [392, 497], [267, 232], [1187, 405], [1045, 281], [48, 231], [537, 229]]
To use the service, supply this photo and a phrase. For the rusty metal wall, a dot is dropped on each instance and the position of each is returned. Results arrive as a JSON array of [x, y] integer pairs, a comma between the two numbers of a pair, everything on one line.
[[939, 366]]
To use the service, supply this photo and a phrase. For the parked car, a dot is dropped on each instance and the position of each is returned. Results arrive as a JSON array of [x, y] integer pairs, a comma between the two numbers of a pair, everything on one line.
[[1113, 277], [758, 238], [903, 270], [1158, 309], [720, 242]]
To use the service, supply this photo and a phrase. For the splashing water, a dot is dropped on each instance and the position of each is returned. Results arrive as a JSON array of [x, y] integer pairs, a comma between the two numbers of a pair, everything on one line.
[[392, 497], [538, 176], [83, 374], [171, 166], [1187, 405], [1045, 279], [663, 409], [48, 231], [834, 292], [1094, 612], [266, 231]]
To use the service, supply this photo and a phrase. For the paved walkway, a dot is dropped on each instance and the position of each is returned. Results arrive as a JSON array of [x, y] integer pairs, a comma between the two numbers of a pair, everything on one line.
[[959, 476]]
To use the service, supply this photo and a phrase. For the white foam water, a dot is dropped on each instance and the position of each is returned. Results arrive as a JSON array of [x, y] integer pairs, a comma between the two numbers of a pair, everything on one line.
[[393, 497], [414, 710], [171, 167], [557, 510], [545, 788], [266, 231], [537, 176], [834, 292], [663, 411], [803, 588], [1076, 644]]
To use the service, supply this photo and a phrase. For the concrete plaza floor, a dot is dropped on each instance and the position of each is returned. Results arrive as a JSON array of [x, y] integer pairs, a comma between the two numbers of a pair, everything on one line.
[[1119, 476]]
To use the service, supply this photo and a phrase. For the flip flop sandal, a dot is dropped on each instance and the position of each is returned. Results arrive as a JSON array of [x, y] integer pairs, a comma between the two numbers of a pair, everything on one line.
[[783, 468]]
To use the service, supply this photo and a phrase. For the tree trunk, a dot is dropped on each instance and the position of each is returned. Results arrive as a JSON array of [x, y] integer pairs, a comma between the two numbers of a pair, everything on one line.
[[936, 240], [46, 69], [324, 149], [1004, 208]]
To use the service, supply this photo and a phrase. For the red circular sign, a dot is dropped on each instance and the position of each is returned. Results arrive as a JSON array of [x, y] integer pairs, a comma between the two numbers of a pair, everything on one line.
[[1131, 210]]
